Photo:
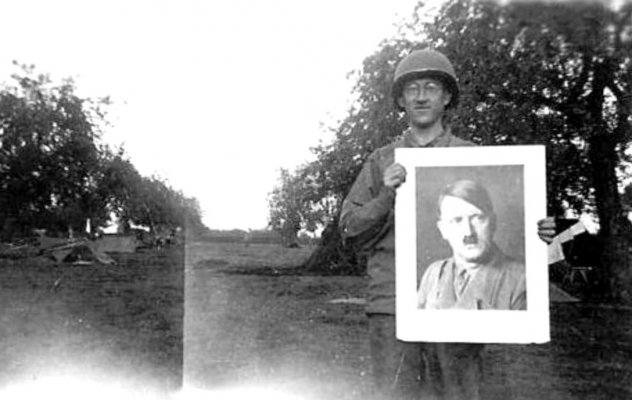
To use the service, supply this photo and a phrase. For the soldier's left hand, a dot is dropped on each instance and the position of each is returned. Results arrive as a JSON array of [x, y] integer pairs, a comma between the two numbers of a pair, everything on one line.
[[547, 229]]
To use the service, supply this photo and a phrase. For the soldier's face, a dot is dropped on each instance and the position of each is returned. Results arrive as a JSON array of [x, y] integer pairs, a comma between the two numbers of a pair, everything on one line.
[[424, 101], [468, 230]]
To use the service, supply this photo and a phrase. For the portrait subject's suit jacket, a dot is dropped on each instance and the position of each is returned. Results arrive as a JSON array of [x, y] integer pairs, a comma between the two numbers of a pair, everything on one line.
[[499, 284]]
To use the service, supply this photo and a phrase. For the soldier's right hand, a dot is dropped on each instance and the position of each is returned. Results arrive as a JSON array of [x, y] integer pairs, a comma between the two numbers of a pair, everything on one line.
[[394, 175]]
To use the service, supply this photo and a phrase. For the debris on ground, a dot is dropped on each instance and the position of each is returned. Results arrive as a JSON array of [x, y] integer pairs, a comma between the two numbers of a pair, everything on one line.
[[15, 251], [78, 251], [559, 295], [74, 250]]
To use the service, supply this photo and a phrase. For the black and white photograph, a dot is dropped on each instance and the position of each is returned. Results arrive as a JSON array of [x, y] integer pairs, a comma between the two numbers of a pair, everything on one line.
[[470, 267], [311, 200], [466, 233]]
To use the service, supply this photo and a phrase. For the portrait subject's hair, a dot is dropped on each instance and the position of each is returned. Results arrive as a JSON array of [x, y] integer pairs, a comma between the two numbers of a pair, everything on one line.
[[470, 191]]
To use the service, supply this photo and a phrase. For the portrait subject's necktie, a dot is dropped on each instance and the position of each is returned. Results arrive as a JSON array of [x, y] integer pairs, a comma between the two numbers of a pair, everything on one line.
[[461, 281]]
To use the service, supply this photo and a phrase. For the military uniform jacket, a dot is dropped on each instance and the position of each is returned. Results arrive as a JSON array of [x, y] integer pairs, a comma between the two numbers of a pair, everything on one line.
[[367, 219]]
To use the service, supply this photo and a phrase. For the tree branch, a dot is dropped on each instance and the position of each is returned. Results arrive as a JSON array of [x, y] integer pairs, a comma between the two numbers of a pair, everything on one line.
[[578, 89]]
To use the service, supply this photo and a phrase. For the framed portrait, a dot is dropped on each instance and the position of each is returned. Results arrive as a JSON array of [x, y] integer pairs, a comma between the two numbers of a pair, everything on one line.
[[470, 266]]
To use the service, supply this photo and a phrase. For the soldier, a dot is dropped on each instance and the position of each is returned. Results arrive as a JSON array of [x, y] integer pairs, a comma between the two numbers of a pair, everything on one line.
[[424, 87]]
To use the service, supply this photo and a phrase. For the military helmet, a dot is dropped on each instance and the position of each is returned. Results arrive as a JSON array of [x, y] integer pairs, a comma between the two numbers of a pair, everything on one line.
[[425, 64]]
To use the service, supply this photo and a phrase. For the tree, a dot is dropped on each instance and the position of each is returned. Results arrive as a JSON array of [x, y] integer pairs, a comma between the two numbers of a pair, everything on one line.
[[626, 199], [55, 173], [372, 122], [560, 73], [147, 201], [286, 206], [49, 160], [119, 183], [293, 206]]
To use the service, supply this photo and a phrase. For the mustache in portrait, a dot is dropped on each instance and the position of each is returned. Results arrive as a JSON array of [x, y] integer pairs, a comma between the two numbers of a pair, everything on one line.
[[470, 239]]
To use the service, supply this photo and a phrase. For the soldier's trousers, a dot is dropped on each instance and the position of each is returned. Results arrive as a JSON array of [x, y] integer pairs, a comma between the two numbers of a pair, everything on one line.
[[413, 370]]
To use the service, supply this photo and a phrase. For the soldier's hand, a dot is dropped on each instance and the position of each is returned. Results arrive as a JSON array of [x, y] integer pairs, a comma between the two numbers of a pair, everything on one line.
[[547, 229], [394, 175]]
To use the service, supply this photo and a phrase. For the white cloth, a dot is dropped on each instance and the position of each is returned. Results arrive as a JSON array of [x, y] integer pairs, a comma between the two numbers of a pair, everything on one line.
[[555, 251], [556, 254]]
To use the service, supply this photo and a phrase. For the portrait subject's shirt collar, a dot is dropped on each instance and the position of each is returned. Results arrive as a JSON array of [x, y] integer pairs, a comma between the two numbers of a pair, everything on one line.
[[494, 258]]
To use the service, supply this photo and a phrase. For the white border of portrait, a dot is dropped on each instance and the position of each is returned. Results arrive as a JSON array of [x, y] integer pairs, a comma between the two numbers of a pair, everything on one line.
[[474, 326]]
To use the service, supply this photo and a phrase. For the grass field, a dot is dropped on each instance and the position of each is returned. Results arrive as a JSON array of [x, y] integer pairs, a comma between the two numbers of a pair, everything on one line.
[[251, 326], [90, 328], [254, 327]]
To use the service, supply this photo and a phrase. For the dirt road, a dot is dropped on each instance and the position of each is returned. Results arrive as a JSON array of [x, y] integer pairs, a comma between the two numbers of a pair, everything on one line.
[[253, 324], [272, 332]]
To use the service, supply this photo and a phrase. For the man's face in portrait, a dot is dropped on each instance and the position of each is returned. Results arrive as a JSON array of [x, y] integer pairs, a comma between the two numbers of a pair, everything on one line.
[[468, 229], [424, 101]]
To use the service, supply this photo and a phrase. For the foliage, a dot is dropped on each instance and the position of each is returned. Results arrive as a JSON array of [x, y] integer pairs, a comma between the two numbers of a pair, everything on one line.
[[558, 74], [49, 159], [147, 201], [55, 173], [292, 208], [309, 197], [552, 73], [547, 73], [371, 123]]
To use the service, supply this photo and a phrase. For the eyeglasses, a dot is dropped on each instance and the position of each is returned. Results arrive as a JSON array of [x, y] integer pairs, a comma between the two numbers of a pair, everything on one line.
[[429, 89]]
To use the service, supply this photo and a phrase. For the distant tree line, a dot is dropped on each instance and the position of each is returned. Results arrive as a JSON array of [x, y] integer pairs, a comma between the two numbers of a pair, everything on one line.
[[257, 236], [56, 173], [551, 73]]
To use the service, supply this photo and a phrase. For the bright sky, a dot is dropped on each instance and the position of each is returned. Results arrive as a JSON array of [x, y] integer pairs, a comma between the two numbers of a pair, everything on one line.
[[214, 96]]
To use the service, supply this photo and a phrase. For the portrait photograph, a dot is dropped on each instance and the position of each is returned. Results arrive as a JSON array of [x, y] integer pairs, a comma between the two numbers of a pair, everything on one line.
[[469, 264]]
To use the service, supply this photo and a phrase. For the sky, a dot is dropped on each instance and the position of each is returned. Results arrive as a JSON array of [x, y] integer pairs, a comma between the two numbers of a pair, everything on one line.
[[213, 96]]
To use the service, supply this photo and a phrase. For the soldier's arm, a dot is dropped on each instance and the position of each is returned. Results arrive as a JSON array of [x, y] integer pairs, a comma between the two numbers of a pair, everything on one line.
[[365, 211]]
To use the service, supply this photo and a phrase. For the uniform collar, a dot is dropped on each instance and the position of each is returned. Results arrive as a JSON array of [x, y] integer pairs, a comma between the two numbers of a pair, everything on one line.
[[443, 140]]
